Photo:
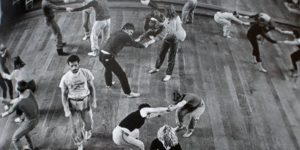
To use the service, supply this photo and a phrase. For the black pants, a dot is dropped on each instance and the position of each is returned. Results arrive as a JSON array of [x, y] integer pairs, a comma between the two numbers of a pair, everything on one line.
[[4, 84], [112, 66], [255, 47], [166, 46], [295, 57]]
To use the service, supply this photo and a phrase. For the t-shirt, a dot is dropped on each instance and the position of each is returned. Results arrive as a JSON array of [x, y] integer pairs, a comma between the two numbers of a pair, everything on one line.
[[77, 84], [100, 7], [158, 145], [193, 101], [174, 27], [21, 74], [227, 16], [133, 121], [118, 40]]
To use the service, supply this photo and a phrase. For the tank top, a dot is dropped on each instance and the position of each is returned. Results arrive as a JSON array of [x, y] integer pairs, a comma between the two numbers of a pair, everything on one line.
[[133, 121]]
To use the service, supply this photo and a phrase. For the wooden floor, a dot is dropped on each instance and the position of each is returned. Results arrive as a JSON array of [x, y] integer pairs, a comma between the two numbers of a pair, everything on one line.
[[246, 109]]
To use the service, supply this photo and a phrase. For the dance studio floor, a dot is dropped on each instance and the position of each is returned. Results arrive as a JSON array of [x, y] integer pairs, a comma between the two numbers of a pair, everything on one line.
[[246, 109]]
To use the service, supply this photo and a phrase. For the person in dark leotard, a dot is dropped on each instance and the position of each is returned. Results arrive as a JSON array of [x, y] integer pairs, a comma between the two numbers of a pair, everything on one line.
[[166, 139], [261, 26], [127, 132], [27, 103]]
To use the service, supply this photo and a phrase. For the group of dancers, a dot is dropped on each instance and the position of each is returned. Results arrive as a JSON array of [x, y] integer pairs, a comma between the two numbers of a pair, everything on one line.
[[77, 85]]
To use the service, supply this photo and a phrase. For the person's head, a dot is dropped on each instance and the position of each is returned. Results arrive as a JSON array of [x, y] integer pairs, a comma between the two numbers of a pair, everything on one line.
[[18, 62], [167, 134], [73, 62], [156, 13], [235, 13], [264, 18], [128, 28], [296, 33], [3, 49], [144, 105], [177, 96], [170, 12], [21, 86]]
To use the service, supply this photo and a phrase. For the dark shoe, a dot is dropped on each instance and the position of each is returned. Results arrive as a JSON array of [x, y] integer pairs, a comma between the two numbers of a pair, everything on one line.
[[64, 44], [60, 52]]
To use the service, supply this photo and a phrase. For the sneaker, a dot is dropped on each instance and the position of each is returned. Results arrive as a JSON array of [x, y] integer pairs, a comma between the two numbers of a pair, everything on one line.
[[294, 73], [27, 147], [6, 107], [179, 128], [154, 70], [188, 133], [80, 146], [261, 68], [88, 135], [94, 53], [167, 78], [112, 83], [133, 95], [86, 37], [18, 120], [228, 36]]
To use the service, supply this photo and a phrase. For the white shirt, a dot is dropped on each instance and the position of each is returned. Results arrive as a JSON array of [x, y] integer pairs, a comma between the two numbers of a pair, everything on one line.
[[77, 84], [227, 16], [21, 74], [174, 26]]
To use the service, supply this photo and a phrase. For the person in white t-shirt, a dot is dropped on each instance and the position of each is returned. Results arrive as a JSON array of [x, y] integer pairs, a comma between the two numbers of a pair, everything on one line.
[[78, 98], [224, 18]]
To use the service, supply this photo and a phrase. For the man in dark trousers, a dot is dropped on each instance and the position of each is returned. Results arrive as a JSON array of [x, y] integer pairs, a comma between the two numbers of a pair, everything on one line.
[[26, 102], [107, 56], [48, 9]]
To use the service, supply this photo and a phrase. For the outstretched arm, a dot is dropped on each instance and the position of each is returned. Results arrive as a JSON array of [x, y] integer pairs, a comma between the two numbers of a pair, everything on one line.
[[294, 42], [11, 109]]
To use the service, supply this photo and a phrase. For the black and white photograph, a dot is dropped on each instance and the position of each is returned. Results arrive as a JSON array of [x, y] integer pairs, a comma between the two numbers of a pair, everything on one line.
[[149, 75]]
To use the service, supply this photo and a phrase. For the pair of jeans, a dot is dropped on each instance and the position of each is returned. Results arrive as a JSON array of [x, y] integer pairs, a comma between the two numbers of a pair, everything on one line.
[[112, 66], [171, 46], [56, 31], [24, 130], [103, 28]]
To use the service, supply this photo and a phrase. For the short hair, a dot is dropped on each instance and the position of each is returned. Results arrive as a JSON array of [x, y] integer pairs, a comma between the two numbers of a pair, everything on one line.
[[170, 12], [128, 26], [18, 62], [73, 58], [22, 86], [144, 105]]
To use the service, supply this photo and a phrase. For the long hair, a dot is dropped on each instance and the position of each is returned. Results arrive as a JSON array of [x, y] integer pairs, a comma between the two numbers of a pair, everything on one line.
[[18, 62], [170, 12], [167, 134]]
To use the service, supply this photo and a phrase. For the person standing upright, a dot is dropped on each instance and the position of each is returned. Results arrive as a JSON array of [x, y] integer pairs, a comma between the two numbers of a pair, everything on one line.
[[101, 24], [48, 8], [78, 98]]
